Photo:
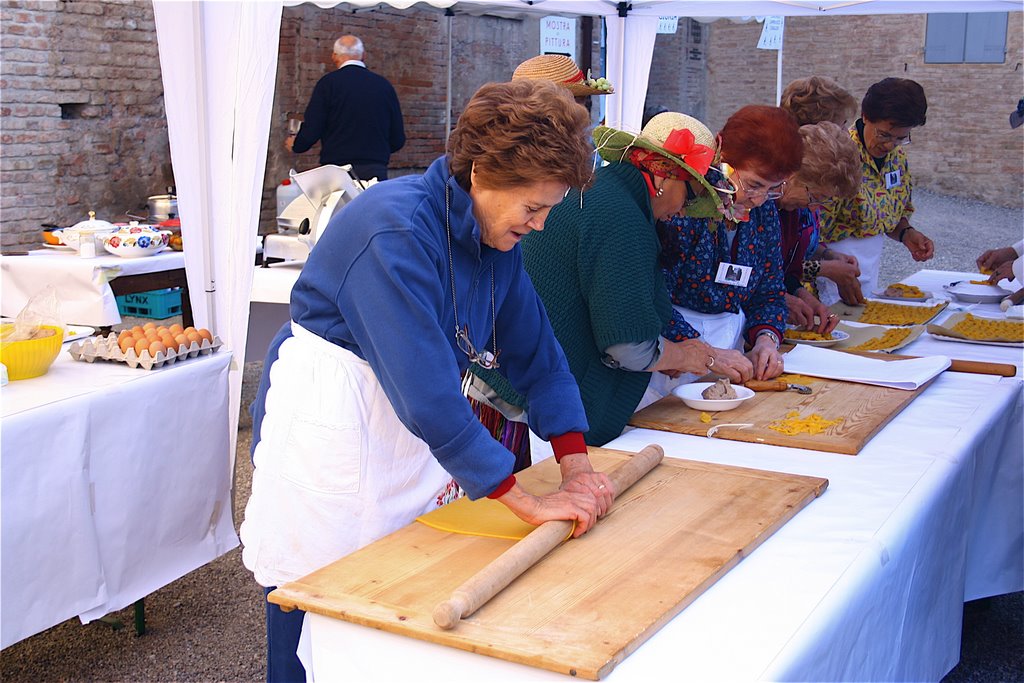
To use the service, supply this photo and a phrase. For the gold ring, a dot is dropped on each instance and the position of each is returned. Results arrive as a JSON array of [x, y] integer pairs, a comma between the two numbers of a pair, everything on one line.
[[601, 486], [831, 315], [711, 362]]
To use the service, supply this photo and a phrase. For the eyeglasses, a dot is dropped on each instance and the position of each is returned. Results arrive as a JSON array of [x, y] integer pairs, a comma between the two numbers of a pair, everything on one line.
[[770, 192], [886, 137], [487, 360], [811, 199]]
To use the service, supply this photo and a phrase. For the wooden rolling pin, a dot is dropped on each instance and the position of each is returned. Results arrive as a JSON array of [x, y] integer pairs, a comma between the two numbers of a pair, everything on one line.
[[975, 366], [489, 581]]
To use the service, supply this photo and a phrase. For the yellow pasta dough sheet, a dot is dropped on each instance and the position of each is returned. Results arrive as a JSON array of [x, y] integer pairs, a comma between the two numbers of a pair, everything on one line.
[[485, 517]]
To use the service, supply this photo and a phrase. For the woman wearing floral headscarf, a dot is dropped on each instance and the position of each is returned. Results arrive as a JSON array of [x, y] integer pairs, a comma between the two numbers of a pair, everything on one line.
[[595, 267]]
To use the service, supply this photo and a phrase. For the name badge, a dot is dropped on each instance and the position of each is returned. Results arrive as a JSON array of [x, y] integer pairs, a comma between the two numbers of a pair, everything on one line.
[[733, 274], [893, 179]]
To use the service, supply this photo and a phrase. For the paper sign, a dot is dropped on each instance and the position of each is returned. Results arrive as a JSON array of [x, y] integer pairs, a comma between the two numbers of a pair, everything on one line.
[[668, 25], [771, 33], [558, 36]]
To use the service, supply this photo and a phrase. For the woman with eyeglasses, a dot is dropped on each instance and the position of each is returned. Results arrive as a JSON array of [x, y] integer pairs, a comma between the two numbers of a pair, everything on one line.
[[360, 424], [830, 168], [890, 110], [759, 150], [596, 269]]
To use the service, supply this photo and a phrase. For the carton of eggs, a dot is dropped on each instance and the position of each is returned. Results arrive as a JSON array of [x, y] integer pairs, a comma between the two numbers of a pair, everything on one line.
[[148, 346]]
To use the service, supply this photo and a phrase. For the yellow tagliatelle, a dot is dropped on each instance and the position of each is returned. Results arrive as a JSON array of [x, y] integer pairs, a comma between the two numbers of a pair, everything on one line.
[[705, 418], [890, 339], [794, 424], [879, 313], [987, 329], [979, 282], [807, 335], [796, 379]]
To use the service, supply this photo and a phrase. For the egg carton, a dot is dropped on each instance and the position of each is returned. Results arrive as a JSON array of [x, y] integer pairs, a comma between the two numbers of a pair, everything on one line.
[[96, 348]]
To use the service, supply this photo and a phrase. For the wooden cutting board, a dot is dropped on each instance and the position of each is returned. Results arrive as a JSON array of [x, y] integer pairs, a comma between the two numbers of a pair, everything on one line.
[[592, 601], [864, 410]]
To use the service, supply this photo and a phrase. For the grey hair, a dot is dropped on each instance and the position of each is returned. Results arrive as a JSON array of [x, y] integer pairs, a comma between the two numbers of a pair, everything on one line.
[[354, 50]]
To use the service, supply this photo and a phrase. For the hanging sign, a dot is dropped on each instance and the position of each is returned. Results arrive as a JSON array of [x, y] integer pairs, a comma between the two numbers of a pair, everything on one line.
[[668, 25], [558, 36], [771, 33]]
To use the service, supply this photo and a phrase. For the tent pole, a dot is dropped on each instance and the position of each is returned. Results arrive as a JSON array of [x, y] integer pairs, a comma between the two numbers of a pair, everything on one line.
[[778, 68], [210, 279], [448, 90]]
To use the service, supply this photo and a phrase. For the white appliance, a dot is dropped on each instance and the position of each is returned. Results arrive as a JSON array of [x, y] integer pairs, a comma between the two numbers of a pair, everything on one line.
[[324, 191]]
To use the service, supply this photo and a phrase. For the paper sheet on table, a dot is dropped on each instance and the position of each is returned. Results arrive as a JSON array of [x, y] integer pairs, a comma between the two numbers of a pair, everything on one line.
[[897, 374]]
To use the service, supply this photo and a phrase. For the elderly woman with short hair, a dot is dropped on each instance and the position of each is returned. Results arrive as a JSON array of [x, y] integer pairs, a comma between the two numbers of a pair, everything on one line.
[[362, 422], [816, 99], [830, 168], [891, 109], [724, 275]]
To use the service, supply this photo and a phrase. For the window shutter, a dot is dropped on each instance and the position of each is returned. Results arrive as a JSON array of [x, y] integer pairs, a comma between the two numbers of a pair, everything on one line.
[[986, 38], [944, 38]]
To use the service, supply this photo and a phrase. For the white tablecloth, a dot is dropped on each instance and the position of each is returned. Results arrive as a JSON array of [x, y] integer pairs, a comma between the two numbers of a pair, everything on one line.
[[115, 482], [866, 583], [86, 298]]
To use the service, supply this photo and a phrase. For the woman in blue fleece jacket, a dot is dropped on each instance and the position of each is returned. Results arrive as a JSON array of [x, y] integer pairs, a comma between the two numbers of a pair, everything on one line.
[[362, 422]]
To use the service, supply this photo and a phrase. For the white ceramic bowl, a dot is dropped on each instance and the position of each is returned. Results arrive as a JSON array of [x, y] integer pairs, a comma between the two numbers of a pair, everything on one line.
[[134, 241], [976, 294], [691, 395], [837, 336]]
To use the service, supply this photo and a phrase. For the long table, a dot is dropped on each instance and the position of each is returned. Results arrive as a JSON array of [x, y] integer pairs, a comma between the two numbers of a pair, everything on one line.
[[88, 287], [115, 482], [867, 583]]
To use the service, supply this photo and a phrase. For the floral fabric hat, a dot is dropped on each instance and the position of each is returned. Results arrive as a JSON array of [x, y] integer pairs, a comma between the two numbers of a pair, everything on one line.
[[562, 70]]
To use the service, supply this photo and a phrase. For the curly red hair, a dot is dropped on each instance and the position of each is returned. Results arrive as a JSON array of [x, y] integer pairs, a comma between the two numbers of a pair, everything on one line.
[[765, 140]]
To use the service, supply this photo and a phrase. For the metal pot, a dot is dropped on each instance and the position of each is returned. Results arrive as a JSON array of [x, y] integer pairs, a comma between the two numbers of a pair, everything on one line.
[[162, 207]]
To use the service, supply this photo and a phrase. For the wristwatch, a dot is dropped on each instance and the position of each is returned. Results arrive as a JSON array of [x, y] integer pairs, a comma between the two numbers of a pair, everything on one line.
[[771, 335]]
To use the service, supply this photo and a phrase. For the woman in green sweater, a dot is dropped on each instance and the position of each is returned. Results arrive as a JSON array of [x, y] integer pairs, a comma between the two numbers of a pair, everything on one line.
[[595, 266]]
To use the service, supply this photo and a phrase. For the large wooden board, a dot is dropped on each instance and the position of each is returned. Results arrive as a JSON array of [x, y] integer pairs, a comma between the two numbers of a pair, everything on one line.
[[863, 408], [592, 601]]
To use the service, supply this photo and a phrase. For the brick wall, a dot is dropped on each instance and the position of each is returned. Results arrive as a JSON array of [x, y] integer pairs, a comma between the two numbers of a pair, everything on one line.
[[678, 80], [967, 148], [81, 127]]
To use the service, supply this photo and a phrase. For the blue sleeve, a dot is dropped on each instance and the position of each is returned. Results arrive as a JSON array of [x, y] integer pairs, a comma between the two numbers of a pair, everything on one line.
[[314, 121], [766, 304], [533, 362], [392, 307]]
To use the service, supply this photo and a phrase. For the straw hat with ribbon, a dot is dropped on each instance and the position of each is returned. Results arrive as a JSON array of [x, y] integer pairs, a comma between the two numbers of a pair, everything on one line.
[[562, 70], [678, 138]]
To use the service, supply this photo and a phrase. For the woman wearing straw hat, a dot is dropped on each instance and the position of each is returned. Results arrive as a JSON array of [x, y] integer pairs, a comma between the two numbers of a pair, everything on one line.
[[759, 148], [595, 267], [562, 70], [360, 424]]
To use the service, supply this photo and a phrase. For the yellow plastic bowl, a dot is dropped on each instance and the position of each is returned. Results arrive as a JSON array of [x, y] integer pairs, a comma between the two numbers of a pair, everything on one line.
[[30, 358]]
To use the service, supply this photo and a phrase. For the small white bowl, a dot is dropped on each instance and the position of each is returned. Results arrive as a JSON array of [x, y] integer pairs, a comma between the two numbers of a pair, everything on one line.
[[691, 395]]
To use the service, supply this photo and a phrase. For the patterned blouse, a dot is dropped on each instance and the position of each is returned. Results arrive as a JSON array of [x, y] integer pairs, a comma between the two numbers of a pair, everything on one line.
[[692, 248], [875, 209]]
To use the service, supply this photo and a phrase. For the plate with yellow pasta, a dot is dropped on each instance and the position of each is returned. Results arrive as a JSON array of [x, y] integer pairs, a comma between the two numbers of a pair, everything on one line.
[[968, 328], [901, 292], [797, 336], [976, 291], [878, 337], [888, 313]]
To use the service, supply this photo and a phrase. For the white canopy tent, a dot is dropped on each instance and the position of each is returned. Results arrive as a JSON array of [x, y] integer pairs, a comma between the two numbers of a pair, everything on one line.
[[219, 66]]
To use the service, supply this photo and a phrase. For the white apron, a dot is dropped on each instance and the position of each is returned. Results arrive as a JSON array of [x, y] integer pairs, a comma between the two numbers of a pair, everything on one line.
[[335, 468], [868, 251], [721, 330]]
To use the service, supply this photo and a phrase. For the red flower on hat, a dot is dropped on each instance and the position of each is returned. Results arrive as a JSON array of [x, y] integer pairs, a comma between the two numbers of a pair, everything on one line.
[[697, 156]]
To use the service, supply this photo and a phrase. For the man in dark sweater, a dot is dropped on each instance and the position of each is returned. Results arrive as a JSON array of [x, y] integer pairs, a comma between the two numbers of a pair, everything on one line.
[[355, 115]]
